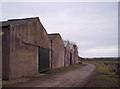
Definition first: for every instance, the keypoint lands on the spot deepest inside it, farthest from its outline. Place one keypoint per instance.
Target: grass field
(106, 74)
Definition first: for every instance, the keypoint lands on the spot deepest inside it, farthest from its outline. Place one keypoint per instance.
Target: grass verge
(105, 73)
(108, 77)
(103, 68)
(67, 68)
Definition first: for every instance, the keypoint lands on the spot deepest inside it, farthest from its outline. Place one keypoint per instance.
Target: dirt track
(73, 78)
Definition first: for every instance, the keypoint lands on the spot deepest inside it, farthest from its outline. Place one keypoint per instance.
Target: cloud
(93, 26)
(100, 51)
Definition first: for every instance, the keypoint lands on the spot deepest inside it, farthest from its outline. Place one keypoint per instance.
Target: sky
(93, 26)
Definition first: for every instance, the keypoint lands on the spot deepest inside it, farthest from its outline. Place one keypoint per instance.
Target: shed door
(43, 59)
(70, 58)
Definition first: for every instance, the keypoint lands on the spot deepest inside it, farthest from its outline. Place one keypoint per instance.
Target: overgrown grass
(106, 73)
(113, 62)
(103, 68)
(108, 77)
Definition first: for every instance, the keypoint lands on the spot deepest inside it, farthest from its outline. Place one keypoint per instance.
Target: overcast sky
(93, 26)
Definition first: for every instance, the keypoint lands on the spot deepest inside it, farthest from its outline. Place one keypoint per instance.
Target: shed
(67, 53)
(23, 44)
(57, 51)
(75, 54)
(71, 54)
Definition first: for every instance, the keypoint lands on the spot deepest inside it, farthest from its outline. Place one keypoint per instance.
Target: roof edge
(23, 18)
(54, 34)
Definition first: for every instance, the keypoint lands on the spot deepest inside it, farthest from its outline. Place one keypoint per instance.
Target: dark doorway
(70, 58)
(43, 59)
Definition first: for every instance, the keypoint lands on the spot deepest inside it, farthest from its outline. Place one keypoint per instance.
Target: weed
(103, 69)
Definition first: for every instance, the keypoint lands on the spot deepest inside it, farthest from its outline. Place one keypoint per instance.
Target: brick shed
(57, 51)
(67, 53)
(23, 44)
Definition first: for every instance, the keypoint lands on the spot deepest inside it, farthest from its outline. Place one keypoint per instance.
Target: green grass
(106, 73)
(103, 69)
(114, 62)
(107, 77)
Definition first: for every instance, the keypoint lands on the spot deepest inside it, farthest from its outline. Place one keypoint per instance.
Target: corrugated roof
(17, 21)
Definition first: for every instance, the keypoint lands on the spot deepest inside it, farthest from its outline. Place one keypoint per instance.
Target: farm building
(67, 53)
(25, 48)
(73, 54)
(57, 51)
